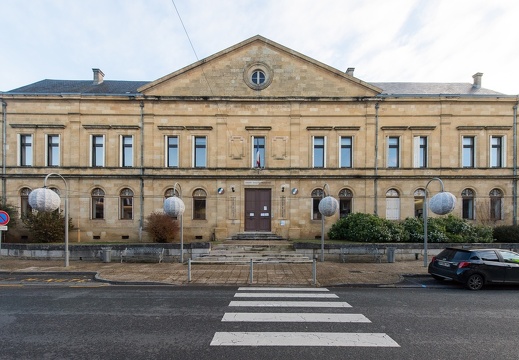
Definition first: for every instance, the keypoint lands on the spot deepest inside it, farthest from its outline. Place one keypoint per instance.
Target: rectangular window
(495, 208)
(258, 152)
(126, 207)
(496, 151)
(316, 215)
(126, 151)
(98, 150)
(319, 152)
(420, 151)
(25, 150)
(200, 152)
(468, 208)
(199, 208)
(52, 150)
(468, 151)
(393, 151)
(171, 151)
(345, 156)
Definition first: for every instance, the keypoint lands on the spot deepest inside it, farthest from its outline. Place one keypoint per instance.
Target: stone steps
(257, 236)
(262, 252)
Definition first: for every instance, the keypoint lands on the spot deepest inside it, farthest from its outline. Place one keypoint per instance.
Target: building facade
(250, 138)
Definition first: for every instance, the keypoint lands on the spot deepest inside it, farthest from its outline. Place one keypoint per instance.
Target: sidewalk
(286, 274)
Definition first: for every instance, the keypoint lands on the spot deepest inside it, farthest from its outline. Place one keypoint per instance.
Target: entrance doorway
(258, 209)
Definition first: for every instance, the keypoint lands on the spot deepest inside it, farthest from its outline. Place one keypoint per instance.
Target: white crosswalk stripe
(252, 288)
(312, 304)
(337, 339)
(302, 339)
(296, 317)
(285, 295)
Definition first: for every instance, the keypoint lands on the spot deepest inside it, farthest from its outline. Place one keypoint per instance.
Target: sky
(384, 40)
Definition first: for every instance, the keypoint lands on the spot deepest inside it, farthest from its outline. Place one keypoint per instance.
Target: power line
(185, 30)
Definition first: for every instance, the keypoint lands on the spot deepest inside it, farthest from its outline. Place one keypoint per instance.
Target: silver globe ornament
(174, 206)
(43, 199)
(328, 206)
(442, 203)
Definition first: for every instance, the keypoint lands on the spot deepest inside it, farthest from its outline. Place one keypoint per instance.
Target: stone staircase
(265, 236)
(259, 251)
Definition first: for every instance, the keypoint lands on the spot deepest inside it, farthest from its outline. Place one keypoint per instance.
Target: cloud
(398, 40)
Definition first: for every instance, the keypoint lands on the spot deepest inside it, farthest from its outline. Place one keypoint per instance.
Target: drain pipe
(141, 218)
(4, 146)
(375, 182)
(515, 168)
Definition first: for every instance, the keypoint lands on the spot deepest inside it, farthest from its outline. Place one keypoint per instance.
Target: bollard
(251, 272)
(189, 270)
(314, 272)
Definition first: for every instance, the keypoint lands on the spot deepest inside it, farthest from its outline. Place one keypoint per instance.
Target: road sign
(4, 218)
(3, 228)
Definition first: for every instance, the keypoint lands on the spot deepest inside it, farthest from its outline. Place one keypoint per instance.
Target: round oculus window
(257, 76)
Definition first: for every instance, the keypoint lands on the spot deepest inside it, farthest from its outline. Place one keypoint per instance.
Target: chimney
(98, 76)
(350, 71)
(477, 80)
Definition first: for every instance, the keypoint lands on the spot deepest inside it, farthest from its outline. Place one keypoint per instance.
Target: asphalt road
(164, 322)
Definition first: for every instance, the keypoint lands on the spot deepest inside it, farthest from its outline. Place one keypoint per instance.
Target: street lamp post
(175, 207)
(327, 207)
(441, 204)
(44, 199)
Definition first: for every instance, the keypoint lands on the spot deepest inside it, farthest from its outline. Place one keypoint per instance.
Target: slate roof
(128, 88)
(84, 87)
(406, 88)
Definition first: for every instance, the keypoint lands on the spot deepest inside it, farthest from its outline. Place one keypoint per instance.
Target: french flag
(258, 157)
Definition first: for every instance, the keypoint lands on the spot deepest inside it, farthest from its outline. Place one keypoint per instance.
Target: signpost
(4, 220)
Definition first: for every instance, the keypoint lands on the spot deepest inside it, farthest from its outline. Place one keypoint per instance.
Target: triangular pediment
(288, 74)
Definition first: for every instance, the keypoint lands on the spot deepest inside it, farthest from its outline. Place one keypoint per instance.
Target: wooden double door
(258, 209)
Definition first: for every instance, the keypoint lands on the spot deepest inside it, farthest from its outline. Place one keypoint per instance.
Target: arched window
(496, 204)
(199, 204)
(126, 203)
(419, 197)
(345, 202)
(25, 208)
(317, 195)
(467, 196)
(98, 204)
(392, 204)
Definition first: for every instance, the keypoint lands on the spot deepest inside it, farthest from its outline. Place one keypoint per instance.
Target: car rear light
(433, 259)
(463, 264)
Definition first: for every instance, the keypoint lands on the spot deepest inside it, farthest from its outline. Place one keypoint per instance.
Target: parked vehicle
(476, 267)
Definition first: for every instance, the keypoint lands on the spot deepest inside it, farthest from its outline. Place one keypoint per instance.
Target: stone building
(250, 137)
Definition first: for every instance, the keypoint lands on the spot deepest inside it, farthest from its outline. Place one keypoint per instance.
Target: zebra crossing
(309, 298)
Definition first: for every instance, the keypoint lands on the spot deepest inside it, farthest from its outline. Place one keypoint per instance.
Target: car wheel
(475, 282)
(438, 278)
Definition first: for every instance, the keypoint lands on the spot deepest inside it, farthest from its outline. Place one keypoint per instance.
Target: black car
(476, 267)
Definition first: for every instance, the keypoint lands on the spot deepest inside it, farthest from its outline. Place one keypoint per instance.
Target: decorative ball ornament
(174, 206)
(328, 206)
(43, 199)
(442, 203)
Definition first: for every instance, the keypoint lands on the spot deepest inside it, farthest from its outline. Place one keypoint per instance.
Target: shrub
(362, 227)
(506, 234)
(161, 227)
(46, 227)
(370, 228)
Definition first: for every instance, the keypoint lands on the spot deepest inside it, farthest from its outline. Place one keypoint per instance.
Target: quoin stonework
(250, 136)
